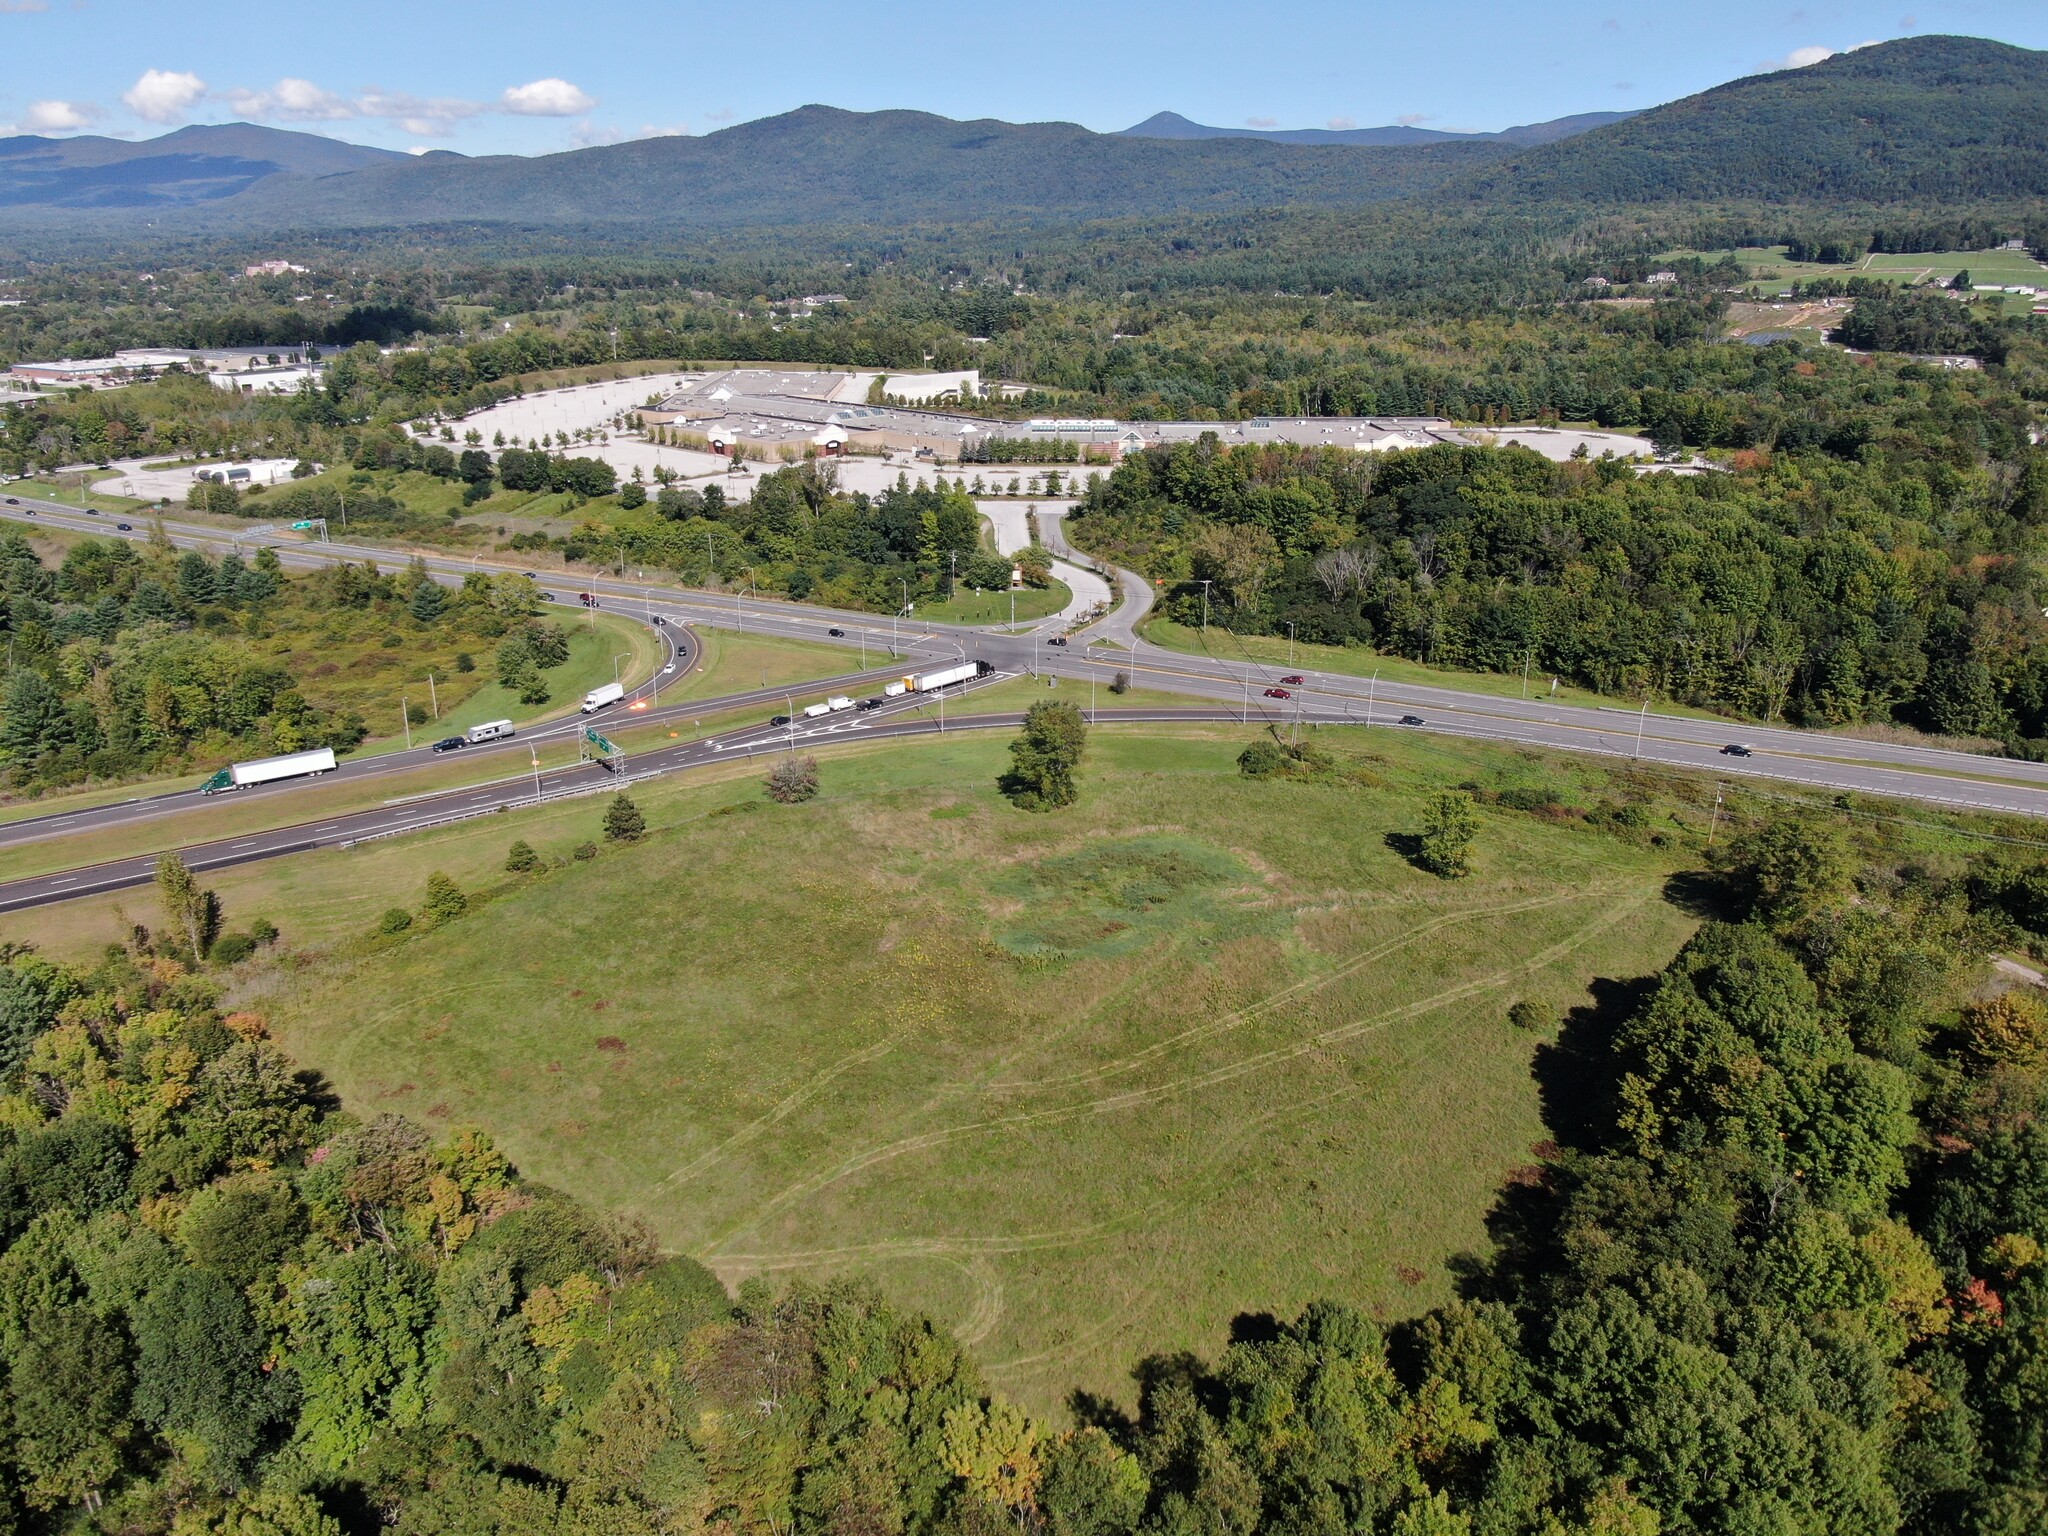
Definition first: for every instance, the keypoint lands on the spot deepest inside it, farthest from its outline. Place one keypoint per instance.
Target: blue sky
(526, 77)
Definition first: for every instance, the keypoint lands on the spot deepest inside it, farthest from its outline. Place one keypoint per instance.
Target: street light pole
(534, 752)
(1205, 607)
(405, 719)
(1642, 718)
(434, 696)
(1371, 692)
(1290, 647)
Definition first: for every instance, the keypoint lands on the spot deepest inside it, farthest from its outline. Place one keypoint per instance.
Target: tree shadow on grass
(1575, 1076)
(1702, 894)
(1409, 846)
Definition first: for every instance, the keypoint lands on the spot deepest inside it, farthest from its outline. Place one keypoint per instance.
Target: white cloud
(1415, 119)
(1341, 123)
(294, 101)
(164, 96)
(1798, 58)
(546, 98)
(1262, 122)
(58, 117)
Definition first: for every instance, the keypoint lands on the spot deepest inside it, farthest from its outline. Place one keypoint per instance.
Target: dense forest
(121, 663)
(1782, 1270)
(1883, 572)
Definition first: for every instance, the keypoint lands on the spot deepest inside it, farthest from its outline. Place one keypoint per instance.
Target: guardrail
(523, 803)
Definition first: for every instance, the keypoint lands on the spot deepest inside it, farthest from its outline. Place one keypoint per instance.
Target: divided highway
(1218, 688)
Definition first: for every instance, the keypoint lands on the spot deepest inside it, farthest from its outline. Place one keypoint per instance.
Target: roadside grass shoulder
(994, 607)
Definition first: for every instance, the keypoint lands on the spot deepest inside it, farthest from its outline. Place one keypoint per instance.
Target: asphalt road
(1217, 687)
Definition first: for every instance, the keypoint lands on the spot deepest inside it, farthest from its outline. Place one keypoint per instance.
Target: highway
(1217, 688)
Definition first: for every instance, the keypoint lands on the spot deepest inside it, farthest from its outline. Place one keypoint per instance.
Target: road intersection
(1217, 688)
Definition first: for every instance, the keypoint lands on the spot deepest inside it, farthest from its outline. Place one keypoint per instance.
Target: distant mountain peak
(1171, 125)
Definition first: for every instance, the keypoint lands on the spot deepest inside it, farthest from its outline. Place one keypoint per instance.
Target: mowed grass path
(1083, 1085)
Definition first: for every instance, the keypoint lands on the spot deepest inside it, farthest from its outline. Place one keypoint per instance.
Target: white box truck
(597, 698)
(490, 730)
(931, 682)
(266, 770)
(838, 703)
(895, 690)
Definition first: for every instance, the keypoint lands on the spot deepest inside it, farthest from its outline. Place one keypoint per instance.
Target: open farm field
(1078, 1084)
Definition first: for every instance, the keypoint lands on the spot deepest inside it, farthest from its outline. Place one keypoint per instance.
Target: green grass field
(1772, 269)
(994, 607)
(1083, 1085)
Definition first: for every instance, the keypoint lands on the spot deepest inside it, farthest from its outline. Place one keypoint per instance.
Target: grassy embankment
(994, 607)
(1085, 1085)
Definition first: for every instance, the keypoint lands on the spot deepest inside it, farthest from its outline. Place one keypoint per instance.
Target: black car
(14, 501)
(778, 719)
(836, 633)
(1411, 719)
(450, 744)
(1057, 640)
(1736, 749)
(869, 704)
(28, 511)
(124, 528)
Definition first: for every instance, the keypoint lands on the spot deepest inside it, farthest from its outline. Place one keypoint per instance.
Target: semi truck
(490, 730)
(946, 677)
(267, 770)
(597, 698)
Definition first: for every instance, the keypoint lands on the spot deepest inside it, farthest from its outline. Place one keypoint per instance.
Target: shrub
(1262, 760)
(464, 662)
(444, 900)
(1526, 1015)
(584, 851)
(623, 822)
(263, 931)
(1121, 683)
(394, 920)
(793, 780)
(520, 858)
(232, 949)
(1448, 829)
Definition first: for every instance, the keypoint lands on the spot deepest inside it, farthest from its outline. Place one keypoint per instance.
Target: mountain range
(1171, 125)
(193, 165)
(1928, 119)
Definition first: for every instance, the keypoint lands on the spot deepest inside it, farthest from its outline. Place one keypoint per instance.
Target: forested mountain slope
(1933, 118)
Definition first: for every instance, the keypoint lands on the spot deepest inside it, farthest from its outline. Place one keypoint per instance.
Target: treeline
(1888, 318)
(122, 663)
(1782, 1268)
(1891, 585)
(800, 535)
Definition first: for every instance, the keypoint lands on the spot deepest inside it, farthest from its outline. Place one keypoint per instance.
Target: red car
(1297, 679)
(1278, 693)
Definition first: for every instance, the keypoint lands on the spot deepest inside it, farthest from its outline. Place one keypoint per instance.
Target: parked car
(836, 633)
(1736, 749)
(1411, 719)
(450, 744)
(1278, 693)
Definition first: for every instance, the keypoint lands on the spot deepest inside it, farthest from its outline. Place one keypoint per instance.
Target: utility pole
(1290, 647)
(405, 719)
(1713, 825)
(434, 696)
(1205, 607)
